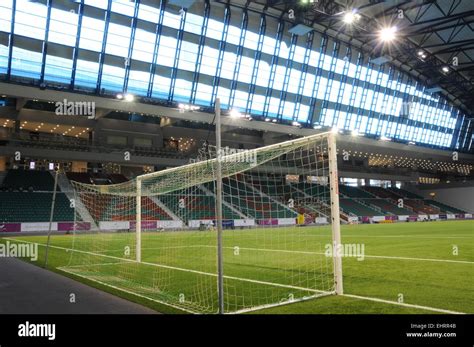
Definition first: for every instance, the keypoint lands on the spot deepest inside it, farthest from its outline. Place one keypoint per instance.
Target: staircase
(65, 186)
(170, 213)
(231, 207)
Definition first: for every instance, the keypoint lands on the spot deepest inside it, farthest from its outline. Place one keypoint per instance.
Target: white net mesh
(276, 221)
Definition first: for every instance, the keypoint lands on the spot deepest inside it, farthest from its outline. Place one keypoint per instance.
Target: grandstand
(203, 156)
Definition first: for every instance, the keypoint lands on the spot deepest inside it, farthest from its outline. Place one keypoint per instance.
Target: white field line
(235, 278)
(318, 253)
(428, 308)
(183, 269)
(272, 250)
(411, 236)
(281, 303)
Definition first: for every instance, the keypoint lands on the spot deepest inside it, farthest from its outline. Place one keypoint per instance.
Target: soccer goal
(156, 236)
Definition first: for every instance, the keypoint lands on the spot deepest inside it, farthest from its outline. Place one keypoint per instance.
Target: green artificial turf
(272, 265)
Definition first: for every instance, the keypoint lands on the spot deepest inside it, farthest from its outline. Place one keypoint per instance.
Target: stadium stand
(444, 208)
(28, 180)
(389, 208)
(197, 206)
(352, 207)
(354, 192)
(33, 207)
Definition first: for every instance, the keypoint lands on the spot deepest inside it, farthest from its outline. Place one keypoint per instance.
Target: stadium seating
(405, 193)
(314, 190)
(117, 178)
(354, 192)
(28, 179)
(381, 192)
(34, 207)
(81, 177)
(388, 207)
(444, 208)
(350, 206)
(250, 203)
(197, 206)
(419, 206)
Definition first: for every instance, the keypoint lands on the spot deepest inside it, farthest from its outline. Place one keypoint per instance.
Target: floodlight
(388, 34)
(129, 97)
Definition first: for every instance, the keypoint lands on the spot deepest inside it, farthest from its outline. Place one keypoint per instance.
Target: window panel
(92, 33)
(138, 82)
(182, 90)
(203, 94)
(161, 86)
(63, 27)
(166, 51)
(118, 40)
(86, 73)
(143, 46)
(209, 61)
(5, 15)
(246, 68)
(26, 63)
(149, 13)
(228, 65)
(124, 7)
(113, 77)
(30, 19)
(188, 56)
(171, 20)
(58, 69)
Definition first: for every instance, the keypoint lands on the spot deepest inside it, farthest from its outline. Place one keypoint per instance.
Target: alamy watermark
(351, 250)
(19, 250)
(75, 108)
(233, 155)
(28, 329)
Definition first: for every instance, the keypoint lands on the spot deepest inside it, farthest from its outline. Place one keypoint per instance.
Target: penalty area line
(421, 307)
(185, 270)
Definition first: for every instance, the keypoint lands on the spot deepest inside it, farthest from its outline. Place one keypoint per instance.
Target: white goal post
(155, 236)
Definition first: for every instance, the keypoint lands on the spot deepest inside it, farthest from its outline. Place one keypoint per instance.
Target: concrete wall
(459, 195)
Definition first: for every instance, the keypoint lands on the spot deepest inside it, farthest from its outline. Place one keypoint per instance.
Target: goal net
(156, 236)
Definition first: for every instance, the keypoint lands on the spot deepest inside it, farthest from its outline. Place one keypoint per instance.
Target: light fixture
(384, 138)
(235, 113)
(295, 124)
(120, 96)
(317, 127)
(129, 97)
(388, 34)
(335, 130)
(267, 119)
(355, 133)
(445, 69)
(350, 17)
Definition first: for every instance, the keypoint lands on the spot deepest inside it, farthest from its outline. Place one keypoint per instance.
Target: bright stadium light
(384, 138)
(355, 133)
(267, 119)
(445, 69)
(388, 34)
(335, 130)
(350, 17)
(235, 113)
(129, 97)
(120, 96)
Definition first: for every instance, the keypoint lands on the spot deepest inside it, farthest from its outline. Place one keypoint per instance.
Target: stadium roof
(442, 30)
